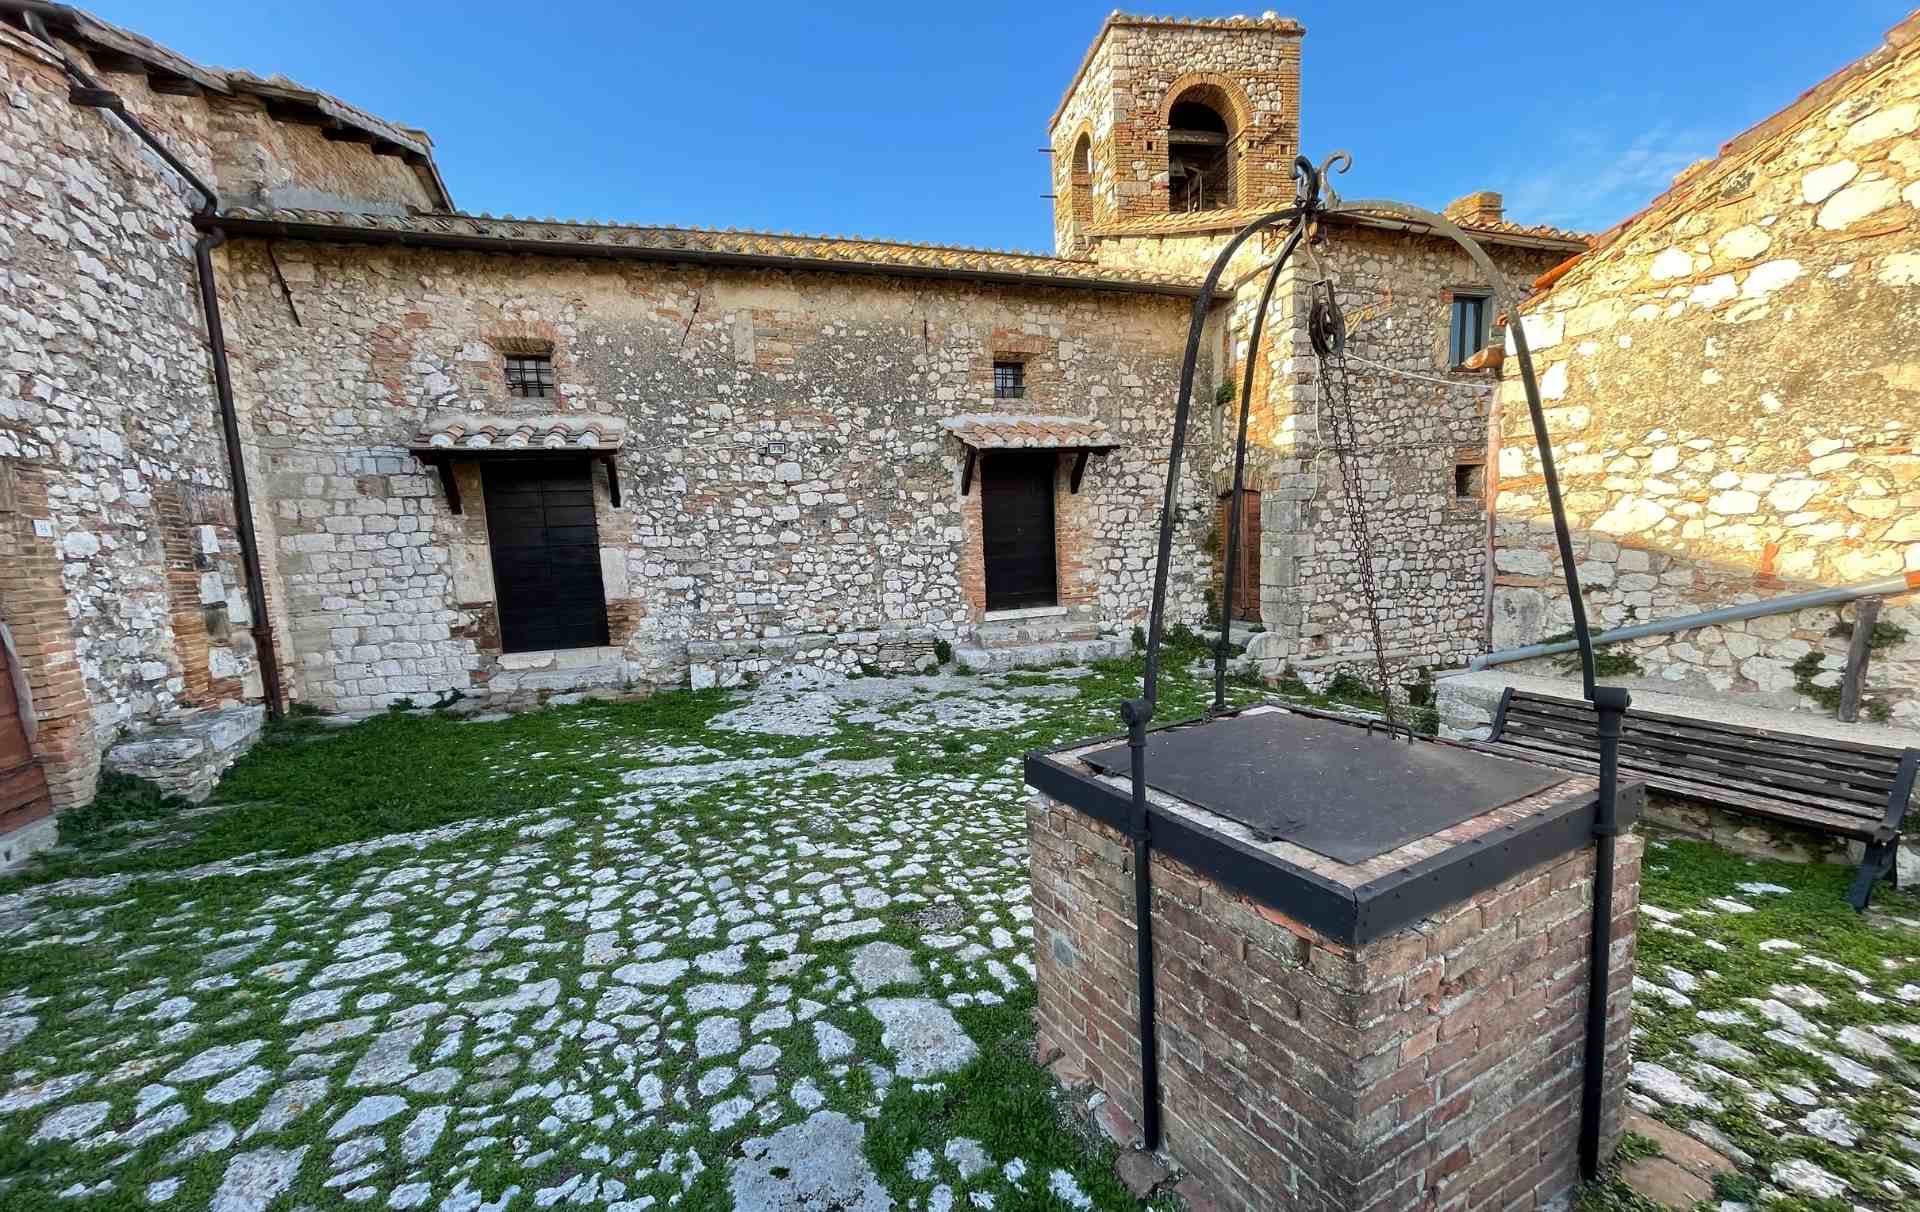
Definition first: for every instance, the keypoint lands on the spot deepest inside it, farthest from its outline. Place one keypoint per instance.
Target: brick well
(1435, 1062)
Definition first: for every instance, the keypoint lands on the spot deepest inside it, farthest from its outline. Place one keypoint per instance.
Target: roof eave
(1510, 239)
(328, 234)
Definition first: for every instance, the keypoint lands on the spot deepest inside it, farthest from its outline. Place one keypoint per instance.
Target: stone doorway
(546, 554)
(1017, 528)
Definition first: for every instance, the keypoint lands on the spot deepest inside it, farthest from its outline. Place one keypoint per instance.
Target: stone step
(187, 756)
(1033, 629)
(1041, 655)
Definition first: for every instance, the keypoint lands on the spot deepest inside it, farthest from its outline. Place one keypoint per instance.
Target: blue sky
(921, 122)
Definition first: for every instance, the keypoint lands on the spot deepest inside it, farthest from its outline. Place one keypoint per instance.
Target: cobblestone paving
(734, 974)
(1779, 1029)
(773, 956)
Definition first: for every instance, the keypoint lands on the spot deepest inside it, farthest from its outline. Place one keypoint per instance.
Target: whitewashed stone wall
(785, 474)
(1733, 387)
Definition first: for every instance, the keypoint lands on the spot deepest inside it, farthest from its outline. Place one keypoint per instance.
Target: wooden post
(1866, 612)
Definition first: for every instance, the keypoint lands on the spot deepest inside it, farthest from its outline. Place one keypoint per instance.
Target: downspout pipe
(87, 91)
(1885, 587)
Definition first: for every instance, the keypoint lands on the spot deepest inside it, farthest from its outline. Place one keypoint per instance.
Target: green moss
(1885, 635)
(121, 800)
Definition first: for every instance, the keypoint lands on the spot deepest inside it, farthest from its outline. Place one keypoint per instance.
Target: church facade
(500, 458)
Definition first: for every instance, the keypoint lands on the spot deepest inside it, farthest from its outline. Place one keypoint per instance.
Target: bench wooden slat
(1883, 766)
(1785, 798)
(1846, 788)
(1767, 806)
(1658, 737)
(1888, 754)
(1865, 789)
(1807, 748)
(1714, 762)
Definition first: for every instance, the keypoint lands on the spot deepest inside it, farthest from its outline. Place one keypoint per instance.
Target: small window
(1469, 481)
(1468, 335)
(1009, 380)
(529, 375)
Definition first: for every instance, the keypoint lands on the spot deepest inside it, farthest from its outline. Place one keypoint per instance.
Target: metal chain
(1334, 392)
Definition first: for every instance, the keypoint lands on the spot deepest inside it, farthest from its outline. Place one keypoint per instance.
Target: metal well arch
(1610, 703)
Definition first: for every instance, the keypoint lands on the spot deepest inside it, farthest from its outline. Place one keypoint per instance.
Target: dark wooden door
(546, 554)
(1244, 600)
(23, 786)
(1016, 527)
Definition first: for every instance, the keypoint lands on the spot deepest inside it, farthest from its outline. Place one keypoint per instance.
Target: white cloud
(1589, 178)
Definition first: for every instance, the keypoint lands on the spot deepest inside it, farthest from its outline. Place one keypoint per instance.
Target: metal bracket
(448, 482)
(613, 480)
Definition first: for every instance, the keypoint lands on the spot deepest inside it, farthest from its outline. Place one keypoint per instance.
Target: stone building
(1733, 378)
(1173, 136)
(498, 458)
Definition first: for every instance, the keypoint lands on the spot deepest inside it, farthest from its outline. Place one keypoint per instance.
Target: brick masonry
(789, 492)
(1438, 1067)
(1247, 70)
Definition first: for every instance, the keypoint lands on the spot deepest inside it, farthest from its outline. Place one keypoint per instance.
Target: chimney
(1476, 209)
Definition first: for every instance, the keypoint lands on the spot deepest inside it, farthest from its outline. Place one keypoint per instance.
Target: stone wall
(1247, 69)
(263, 162)
(1417, 423)
(128, 600)
(1438, 1067)
(122, 582)
(785, 474)
(1733, 389)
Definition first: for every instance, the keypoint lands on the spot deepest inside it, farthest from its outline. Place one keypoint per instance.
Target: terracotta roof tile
(829, 252)
(1234, 218)
(1006, 431)
(97, 36)
(592, 433)
(1753, 145)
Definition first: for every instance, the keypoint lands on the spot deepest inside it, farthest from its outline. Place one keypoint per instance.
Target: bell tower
(1172, 125)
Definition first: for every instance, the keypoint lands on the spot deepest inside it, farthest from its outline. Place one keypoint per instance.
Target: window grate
(530, 376)
(1009, 380)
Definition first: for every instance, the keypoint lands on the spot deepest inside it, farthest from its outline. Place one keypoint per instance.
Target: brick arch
(523, 337)
(1238, 111)
(1078, 190)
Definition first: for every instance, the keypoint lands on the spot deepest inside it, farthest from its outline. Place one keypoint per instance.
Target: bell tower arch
(1171, 117)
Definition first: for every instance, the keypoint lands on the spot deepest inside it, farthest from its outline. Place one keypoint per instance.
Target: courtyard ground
(760, 950)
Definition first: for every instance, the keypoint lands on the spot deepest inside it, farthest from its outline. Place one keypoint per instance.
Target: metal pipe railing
(1885, 587)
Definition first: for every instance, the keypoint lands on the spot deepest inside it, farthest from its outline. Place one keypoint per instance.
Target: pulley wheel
(1326, 323)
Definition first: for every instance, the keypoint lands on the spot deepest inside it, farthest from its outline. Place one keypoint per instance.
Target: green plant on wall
(1828, 697)
(1608, 661)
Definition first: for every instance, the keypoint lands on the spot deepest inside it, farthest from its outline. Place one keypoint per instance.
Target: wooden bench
(1844, 788)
